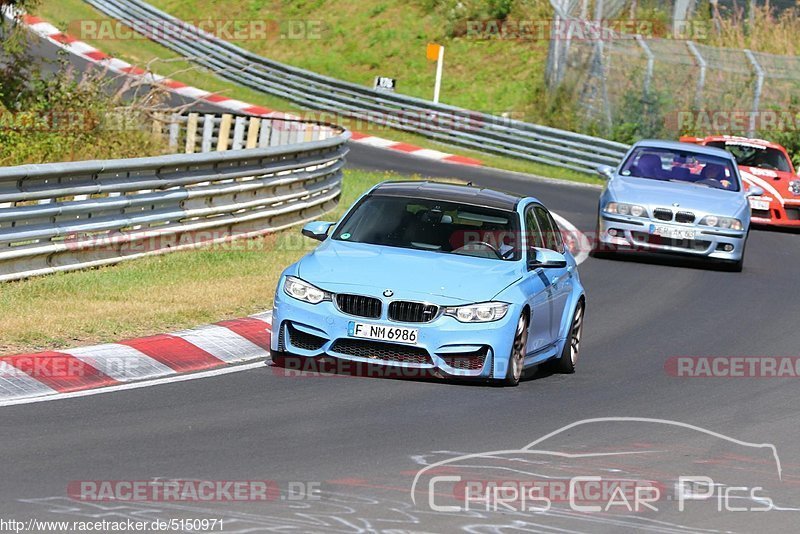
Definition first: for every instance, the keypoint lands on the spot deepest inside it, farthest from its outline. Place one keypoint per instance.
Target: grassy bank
(157, 294)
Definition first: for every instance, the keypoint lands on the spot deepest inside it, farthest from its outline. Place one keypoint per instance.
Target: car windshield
(752, 155)
(678, 165)
(432, 225)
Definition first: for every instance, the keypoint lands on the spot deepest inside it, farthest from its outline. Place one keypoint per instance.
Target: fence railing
(448, 124)
(208, 132)
(679, 84)
(66, 216)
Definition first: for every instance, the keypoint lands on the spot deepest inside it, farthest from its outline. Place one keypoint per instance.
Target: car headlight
(484, 312)
(794, 187)
(620, 208)
(302, 290)
(726, 223)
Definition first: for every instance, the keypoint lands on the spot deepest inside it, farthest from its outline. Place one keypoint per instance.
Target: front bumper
(784, 215)
(635, 235)
(445, 347)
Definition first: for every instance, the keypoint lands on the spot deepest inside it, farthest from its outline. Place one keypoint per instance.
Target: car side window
(557, 237)
(550, 231)
(532, 229)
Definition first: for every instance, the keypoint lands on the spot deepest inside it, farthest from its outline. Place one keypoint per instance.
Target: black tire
(734, 266)
(569, 354)
(279, 358)
(601, 254)
(517, 357)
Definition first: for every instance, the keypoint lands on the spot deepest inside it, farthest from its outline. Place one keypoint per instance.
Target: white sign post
(435, 53)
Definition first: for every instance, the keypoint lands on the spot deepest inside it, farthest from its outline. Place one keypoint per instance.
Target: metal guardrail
(67, 216)
(208, 132)
(449, 124)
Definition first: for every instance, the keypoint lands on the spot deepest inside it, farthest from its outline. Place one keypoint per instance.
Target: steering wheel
(713, 182)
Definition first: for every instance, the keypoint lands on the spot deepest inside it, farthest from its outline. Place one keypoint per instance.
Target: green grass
(156, 294)
(478, 81)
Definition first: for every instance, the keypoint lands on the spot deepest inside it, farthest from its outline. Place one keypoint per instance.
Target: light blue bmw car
(441, 279)
(675, 198)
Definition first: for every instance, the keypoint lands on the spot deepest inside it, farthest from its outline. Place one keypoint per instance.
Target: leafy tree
(17, 68)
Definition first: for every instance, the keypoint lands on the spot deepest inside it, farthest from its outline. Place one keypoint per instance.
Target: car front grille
(763, 214)
(412, 312)
(376, 350)
(305, 341)
(467, 361)
(359, 305)
(662, 214)
(684, 217)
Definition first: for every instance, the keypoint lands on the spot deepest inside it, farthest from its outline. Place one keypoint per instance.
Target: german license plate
(380, 332)
(671, 232)
(758, 204)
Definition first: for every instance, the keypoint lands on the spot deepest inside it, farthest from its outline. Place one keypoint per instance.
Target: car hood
(652, 193)
(341, 266)
(774, 183)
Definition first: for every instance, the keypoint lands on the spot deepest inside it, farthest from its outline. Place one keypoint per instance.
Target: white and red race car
(768, 166)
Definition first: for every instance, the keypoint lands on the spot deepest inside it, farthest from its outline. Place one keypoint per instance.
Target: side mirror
(606, 172)
(317, 230)
(545, 258)
(755, 191)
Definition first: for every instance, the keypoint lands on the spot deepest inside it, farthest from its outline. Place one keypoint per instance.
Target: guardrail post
(701, 78)
(238, 133)
(759, 72)
(224, 132)
(252, 132)
(174, 133)
(208, 132)
(283, 134)
(264, 134)
(191, 133)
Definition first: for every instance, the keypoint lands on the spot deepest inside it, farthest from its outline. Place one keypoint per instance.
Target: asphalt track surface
(364, 439)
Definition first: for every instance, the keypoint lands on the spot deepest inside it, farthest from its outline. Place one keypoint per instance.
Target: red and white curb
(72, 45)
(224, 344)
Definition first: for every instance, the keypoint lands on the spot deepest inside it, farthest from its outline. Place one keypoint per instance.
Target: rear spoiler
(690, 139)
